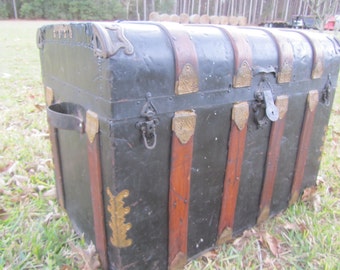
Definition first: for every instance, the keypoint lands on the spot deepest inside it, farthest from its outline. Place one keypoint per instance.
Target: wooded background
(256, 11)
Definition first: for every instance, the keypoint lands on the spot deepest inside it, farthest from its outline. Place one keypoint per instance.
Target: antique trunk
(170, 139)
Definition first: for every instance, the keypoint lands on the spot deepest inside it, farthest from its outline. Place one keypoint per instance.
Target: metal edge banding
(242, 56)
(304, 142)
(236, 148)
(186, 59)
(286, 56)
(179, 190)
(272, 160)
(96, 185)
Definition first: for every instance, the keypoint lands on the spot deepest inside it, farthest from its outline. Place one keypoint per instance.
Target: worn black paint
(115, 88)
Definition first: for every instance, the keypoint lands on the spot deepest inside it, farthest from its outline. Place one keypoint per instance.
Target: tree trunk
(286, 13)
(15, 9)
(250, 11)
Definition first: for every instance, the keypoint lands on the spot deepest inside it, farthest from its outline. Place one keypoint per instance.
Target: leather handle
(67, 116)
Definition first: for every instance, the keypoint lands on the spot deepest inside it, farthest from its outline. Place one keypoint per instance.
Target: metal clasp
(148, 126)
(326, 91)
(264, 100)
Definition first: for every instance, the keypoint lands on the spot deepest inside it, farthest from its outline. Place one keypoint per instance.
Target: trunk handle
(66, 115)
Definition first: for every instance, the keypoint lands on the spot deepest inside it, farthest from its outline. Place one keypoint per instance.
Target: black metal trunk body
(128, 75)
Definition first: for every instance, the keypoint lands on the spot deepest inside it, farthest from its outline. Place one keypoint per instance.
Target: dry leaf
(212, 254)
(271, 242)
(89, 257)
(316, 202)
(3, 214)
(40, 107)
(51, 193)
(308, 194)
(299, 227)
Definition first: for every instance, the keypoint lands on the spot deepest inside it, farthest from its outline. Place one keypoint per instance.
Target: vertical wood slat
(305, 137)
(236, 146)
(57, 165)
(273, 155)
(179, 192)
(96, 187)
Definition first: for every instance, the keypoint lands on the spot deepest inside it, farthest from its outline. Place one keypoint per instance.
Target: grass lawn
(36, 234)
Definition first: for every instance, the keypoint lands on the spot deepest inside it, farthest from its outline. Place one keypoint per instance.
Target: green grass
(36, 234)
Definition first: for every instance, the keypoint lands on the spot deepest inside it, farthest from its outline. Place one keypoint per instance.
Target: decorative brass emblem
(187, 81)
(285, 75)
(282, 104)
(49, 95)
(313, 99)
(92, 125)
(117, 223)
(183, 124)
(240, 114)
(62, 30)
(243, 76)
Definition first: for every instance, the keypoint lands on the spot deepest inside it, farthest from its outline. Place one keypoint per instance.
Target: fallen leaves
(3, 214)
(87, 259)
(312, 198)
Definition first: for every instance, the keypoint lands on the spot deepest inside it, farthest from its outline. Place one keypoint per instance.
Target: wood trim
(96, 187)
(304, 142)
(179, 190)
(57, 165)
(273, 155)
(286, 55)
(186, 59)
(236, 147)
(243, 58)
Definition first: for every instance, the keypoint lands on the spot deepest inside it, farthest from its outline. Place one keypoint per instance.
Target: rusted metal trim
(304, 143)
(179, 191)
(186, 59)
(286, 55)
(237, 141)
(242, 56)
(96, 188)
(273, 155)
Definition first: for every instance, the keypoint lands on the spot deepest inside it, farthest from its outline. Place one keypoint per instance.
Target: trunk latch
(148, 125)
(264, 100)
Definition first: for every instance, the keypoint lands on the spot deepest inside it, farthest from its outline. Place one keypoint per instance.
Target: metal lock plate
(272, 112)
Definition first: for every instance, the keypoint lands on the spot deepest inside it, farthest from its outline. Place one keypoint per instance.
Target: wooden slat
(186, 60)
(96, 187)
(305, 137)
(57, 165)
(242, 56)
(179, 194)
(236, 146)
(273, 155)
